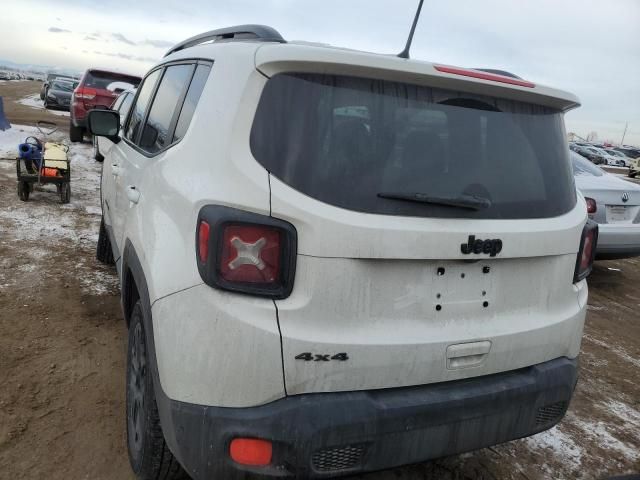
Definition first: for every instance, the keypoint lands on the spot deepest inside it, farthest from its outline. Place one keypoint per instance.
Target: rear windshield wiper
(471, 202)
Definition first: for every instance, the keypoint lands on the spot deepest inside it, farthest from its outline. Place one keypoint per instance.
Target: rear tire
(104, 253)
(76, 134)
(65, 193)
(23, 191)
(632, 174)
(149, 454)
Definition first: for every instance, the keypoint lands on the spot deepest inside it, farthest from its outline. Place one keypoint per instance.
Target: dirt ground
(63, 339)
(13, 91)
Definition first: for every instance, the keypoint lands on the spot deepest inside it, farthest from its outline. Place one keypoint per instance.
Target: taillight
(203, 241)
(251, 253)
(245, 252)
(591, 205)
(587, 251)
(85, 93)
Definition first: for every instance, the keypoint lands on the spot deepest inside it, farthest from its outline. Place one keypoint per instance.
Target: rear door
(437, 231)
(104, 145)
(125, 153)
(149, 134)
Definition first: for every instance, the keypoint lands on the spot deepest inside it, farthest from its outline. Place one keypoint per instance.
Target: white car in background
(609, 159)
(623, 160)
(612, 202)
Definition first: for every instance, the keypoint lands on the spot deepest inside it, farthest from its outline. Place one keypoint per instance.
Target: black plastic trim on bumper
(385, 428)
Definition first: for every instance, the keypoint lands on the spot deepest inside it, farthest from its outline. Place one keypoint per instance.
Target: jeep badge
(492, 246)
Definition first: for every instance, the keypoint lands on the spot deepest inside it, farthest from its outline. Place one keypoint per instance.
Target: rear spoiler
(271, 59)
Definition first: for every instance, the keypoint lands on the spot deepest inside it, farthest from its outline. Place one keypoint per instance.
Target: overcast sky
(589, 47)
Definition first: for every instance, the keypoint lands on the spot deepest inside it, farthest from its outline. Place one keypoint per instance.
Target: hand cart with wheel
(43, 164)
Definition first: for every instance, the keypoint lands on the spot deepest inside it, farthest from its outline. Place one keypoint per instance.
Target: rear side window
(156, 133)
(356, 142)
(191, 100)
(140, 107)
(110, 81)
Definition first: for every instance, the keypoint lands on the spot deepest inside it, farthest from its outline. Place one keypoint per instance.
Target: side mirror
(104, 123)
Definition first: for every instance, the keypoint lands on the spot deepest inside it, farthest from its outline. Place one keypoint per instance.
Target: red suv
(97, 88)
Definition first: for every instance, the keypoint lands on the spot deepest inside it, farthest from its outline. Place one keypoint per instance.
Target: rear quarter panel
(213, 347)
(211, 165)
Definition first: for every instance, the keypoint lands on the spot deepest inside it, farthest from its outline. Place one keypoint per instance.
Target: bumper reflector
(251, 451)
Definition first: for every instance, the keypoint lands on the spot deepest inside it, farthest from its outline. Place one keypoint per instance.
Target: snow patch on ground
(97, 279)
(33, 101)
(10, 139)
(593, 360)
(558, 444)
(36, 221)
(93, 210)
(43, 224)
(621, 352)
(629, 415)
(596, 308)
(600, 433)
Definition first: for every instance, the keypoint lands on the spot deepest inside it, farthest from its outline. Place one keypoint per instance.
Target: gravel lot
(62, 349)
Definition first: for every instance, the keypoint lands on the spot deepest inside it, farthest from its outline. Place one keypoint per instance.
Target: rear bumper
(618, 241)
(328, 434)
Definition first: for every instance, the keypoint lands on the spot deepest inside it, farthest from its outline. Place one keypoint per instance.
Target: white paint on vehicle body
(366, 284)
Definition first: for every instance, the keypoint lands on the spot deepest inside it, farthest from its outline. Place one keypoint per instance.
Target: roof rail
(261, 33)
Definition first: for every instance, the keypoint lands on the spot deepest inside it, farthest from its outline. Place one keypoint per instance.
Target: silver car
(623, 160)
(612, 202)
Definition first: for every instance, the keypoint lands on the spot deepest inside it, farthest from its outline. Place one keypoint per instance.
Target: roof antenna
(405, 53)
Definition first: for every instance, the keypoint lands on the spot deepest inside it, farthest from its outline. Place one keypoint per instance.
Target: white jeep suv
(335, 261)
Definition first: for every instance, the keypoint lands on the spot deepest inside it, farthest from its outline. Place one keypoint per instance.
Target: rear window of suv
(353, 142)
(110, 81)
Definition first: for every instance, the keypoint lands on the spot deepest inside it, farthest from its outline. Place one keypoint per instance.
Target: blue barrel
(31, 152)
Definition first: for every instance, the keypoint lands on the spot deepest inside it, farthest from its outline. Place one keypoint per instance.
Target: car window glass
(118, 102)
(156, 133)
(110, 81)
(126, 105)
(62, 86)
(191, 100)
(141, 105)
(582, 166)
(351, 142)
